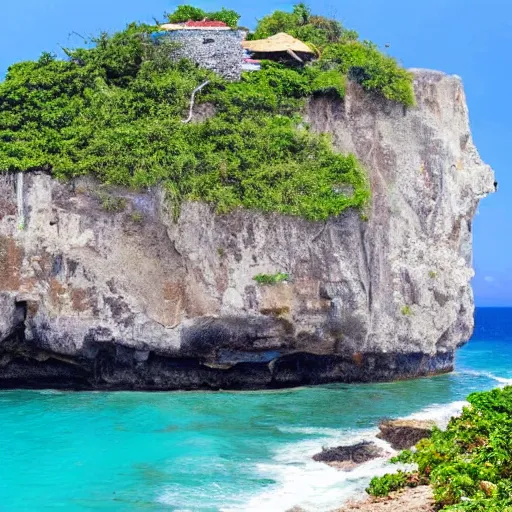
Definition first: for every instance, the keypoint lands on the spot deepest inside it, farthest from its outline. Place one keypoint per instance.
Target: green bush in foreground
(388, 483)
(470, 464)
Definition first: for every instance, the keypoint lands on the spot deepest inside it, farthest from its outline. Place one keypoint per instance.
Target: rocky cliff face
(132, 299)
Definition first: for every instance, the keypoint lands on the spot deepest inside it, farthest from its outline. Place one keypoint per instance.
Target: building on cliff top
(224, 50)
(211, 44)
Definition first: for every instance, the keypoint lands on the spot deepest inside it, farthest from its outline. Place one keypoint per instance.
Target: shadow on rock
(403, 434)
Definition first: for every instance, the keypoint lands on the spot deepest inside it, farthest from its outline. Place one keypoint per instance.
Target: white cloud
(489, 279)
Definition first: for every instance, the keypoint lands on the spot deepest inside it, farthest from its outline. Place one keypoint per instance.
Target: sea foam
(317, 487)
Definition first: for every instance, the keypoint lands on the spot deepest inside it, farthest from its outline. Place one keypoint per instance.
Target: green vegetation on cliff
(340, 51)
(302, 24)
(115, 111)
(186, 13)
(470, 464)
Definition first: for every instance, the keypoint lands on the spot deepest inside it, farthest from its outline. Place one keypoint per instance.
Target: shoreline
(412, 499)
(484, 417)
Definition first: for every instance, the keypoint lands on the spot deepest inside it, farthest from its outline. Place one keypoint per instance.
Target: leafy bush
(470, 464)
(303, 25)
(228, 16)
(137, 217)
(406, 310)
(388, 483)
(341, 54)
(329, 82)
(186, 13)
(404, 457)
(271, 279)
(365, 64)
(110, 203)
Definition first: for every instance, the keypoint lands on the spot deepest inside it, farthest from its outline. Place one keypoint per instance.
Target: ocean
(226, 451)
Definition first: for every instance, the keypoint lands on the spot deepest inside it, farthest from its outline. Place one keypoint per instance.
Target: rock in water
(348, 457)
(404, 434)
(116, 294)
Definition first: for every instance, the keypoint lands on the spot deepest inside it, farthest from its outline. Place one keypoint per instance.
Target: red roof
(205, 23)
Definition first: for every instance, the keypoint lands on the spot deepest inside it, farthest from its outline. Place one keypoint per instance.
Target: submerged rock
(112, 292)
(404, 434)
(348, 457)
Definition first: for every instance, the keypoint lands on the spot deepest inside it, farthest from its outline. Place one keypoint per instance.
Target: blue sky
(471, 38)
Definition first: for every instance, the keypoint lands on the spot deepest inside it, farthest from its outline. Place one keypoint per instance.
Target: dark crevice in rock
(403, 434)
(109, 366)
(20, 314)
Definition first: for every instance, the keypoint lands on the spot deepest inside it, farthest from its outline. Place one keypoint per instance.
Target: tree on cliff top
(302, 24)
(186, 13)
(341, 51)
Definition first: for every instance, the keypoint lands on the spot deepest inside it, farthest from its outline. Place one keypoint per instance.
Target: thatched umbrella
(280, 43)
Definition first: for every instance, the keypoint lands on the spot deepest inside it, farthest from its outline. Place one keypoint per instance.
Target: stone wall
(218, 50)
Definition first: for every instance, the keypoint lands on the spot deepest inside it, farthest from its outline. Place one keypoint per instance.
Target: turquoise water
(217, 451)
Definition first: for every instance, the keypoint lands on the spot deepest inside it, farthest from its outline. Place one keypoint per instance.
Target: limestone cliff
(133, 299)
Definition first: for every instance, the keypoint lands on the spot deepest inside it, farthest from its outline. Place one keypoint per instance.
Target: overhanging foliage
(115, 111)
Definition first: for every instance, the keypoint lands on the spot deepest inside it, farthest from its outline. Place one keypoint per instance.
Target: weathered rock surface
(218, 50)
(403, 434)
(349, 457)
(132, 299)
(416, 499)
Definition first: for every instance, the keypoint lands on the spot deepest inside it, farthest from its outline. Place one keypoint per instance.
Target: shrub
(302, 24)
(469, 464)
(329, 82)
(406, 310)
(185, 13)
(271, 279)
(365, 64)
(404, 457)
(382, 486)
(136, 217)
(228, 16)
(111, 204)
